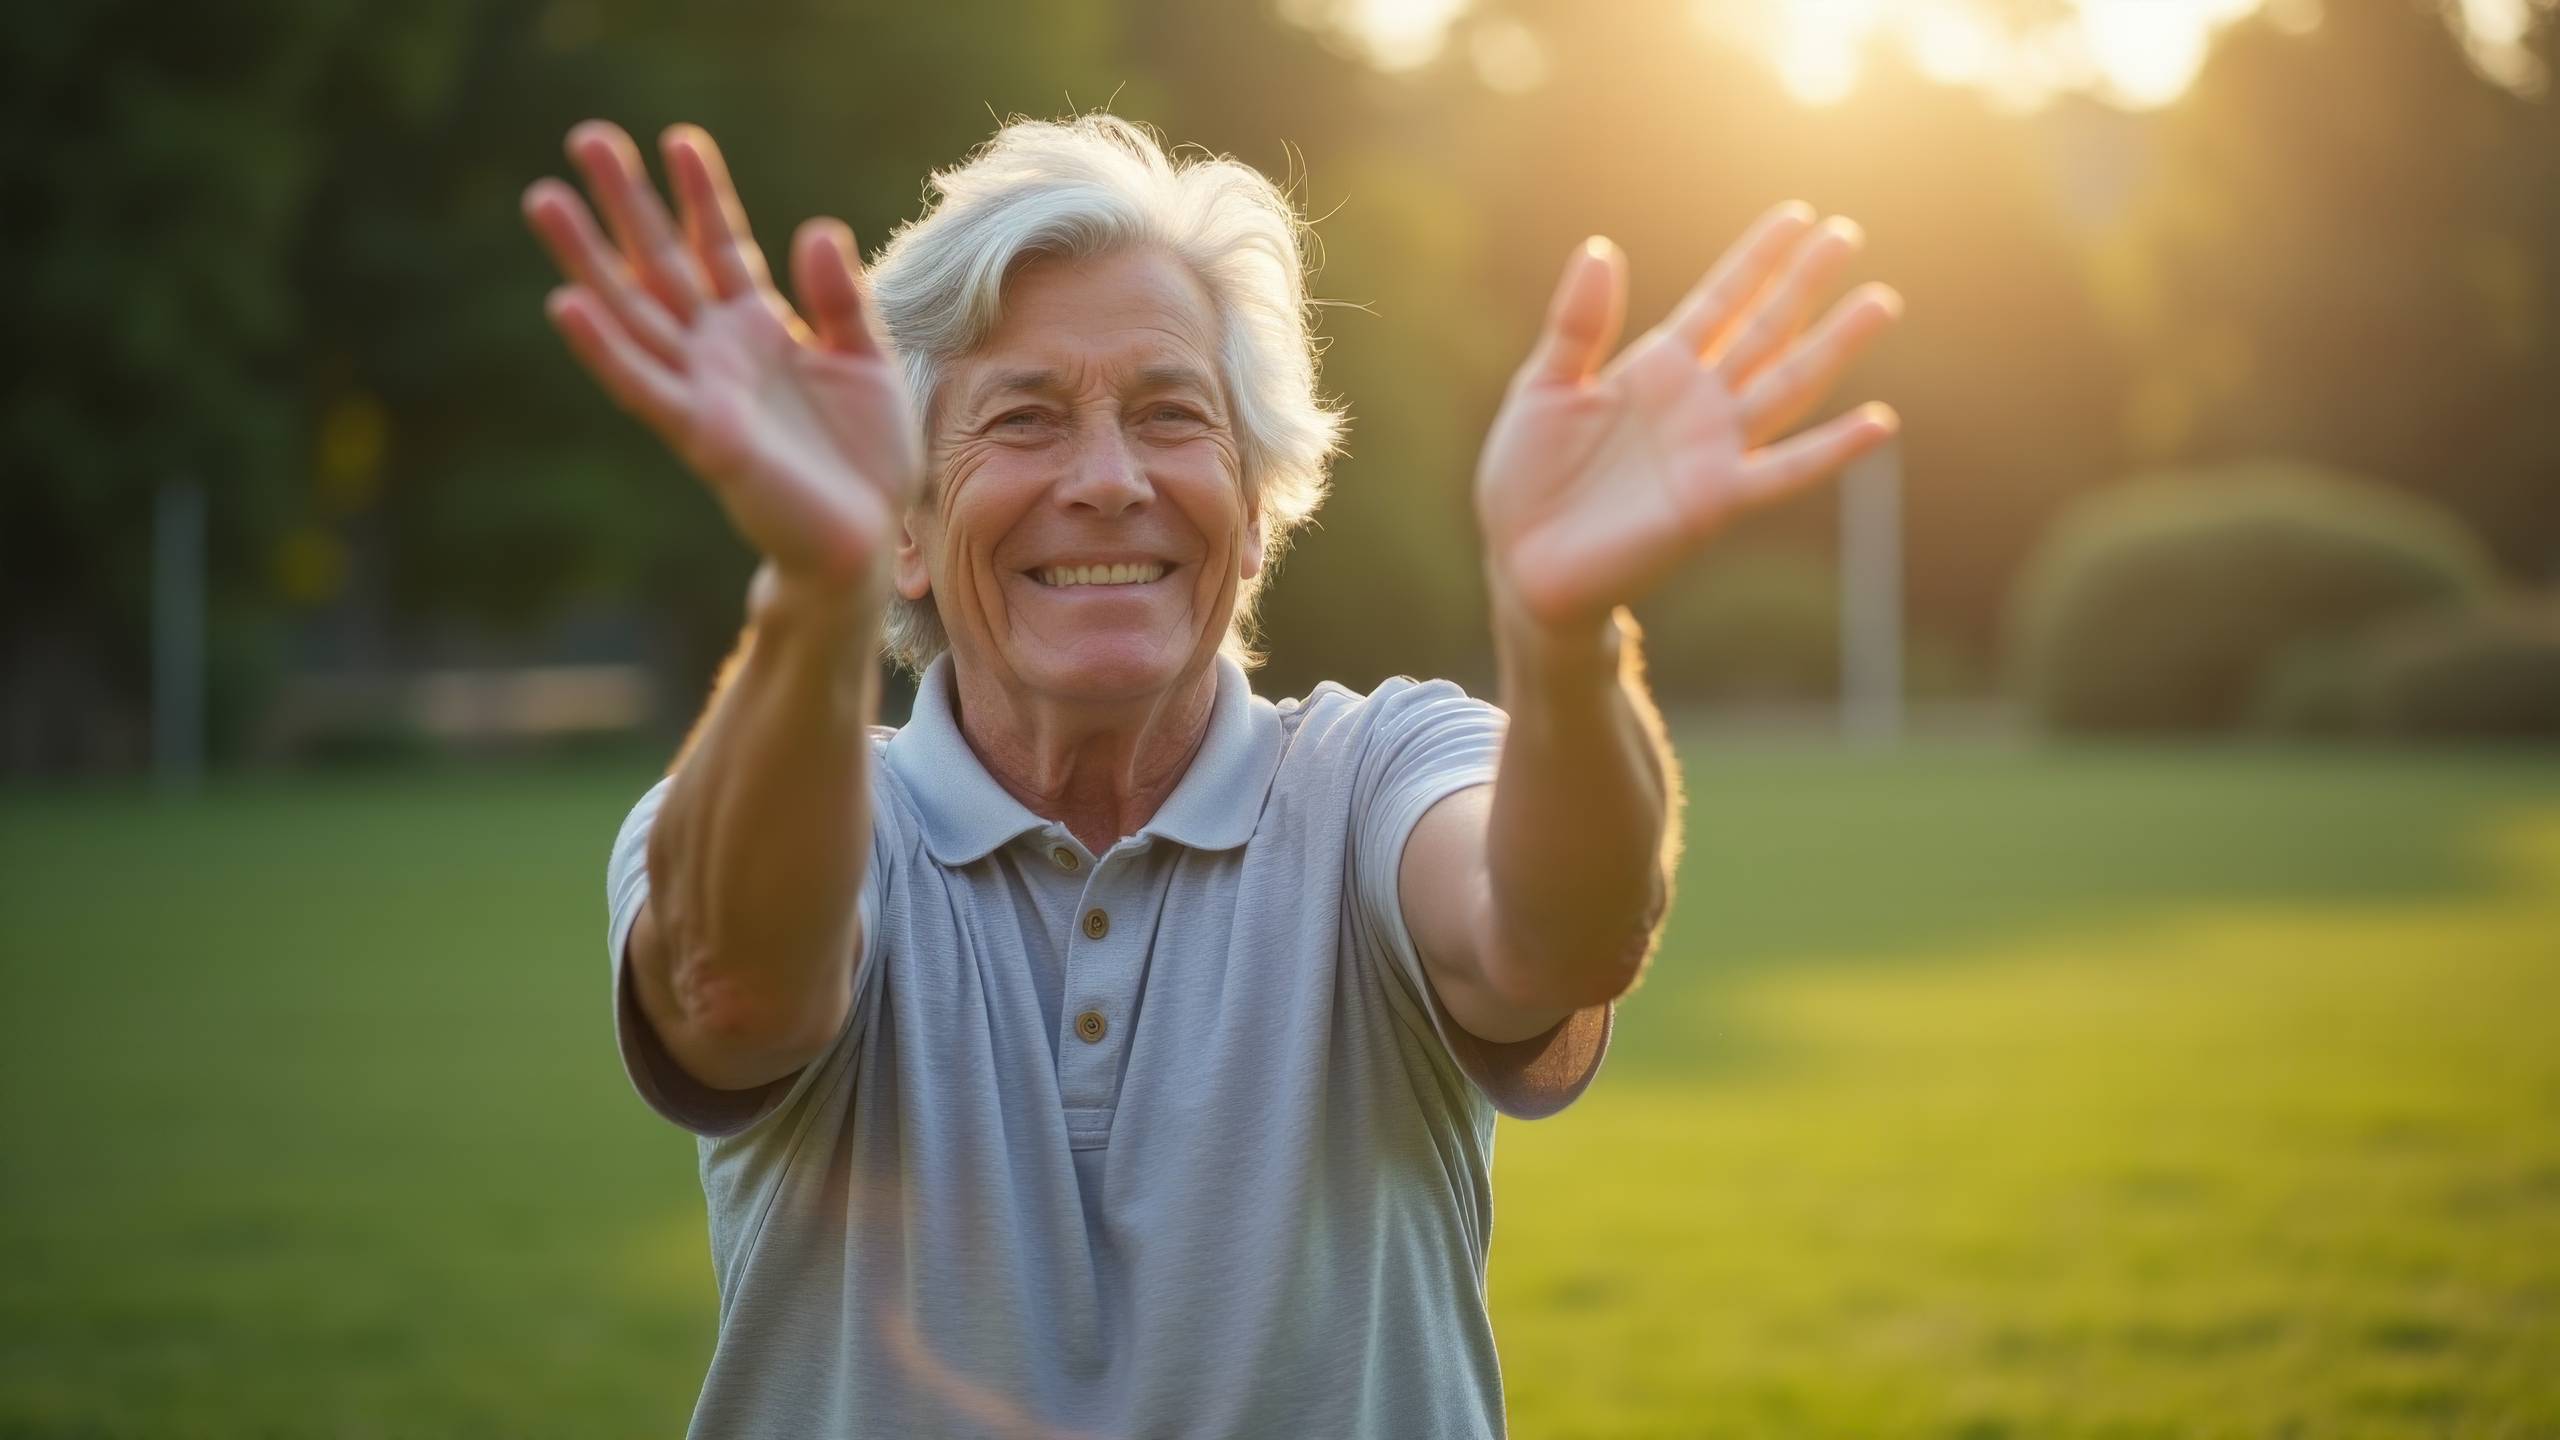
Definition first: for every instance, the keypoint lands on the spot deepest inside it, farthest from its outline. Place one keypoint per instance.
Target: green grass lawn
(1977, 1093)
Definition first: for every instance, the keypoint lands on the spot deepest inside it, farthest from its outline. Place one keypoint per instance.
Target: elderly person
(1111, 1051)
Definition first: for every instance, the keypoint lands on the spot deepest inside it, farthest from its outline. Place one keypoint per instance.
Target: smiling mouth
(1063, 577)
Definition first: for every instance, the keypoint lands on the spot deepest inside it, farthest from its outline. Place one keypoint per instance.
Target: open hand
(1597, 483)
(802, 428)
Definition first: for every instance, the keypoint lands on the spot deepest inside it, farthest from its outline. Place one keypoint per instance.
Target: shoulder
(1334, 715)
(1406, 735)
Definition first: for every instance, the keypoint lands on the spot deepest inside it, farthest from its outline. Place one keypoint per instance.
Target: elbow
(1613, 970)
(1597, 976)
(748, 1015)
(735, 1031)
(1612, 974)
(732, 1014)
(1580, 973)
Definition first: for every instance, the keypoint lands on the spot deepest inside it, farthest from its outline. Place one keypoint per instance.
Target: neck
(1102, 771)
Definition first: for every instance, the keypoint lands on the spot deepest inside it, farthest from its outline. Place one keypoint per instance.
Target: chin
(1108, 667)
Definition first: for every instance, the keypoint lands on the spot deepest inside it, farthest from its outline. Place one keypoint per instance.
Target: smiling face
(1086, 531)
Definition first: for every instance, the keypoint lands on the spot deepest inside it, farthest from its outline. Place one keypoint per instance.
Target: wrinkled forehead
(1133, 319)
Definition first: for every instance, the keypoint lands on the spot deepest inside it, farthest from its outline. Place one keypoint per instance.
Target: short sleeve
(653, 1072)
(1426, 742)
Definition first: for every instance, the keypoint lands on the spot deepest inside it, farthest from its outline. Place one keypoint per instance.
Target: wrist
(780, 602)
(1556, 674)
(1526, 641)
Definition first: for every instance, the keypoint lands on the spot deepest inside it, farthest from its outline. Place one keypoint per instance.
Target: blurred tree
(2006, 379)
(277, 249)
(167, 155)
(514, 485)
(2350, 252)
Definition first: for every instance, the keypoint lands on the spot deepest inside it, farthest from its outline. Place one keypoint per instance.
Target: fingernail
(1847, 229)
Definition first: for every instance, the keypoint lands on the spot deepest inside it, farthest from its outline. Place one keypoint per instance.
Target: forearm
(1584, 824)
(756, 859)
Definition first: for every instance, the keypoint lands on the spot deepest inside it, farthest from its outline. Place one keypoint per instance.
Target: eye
(1169, 413)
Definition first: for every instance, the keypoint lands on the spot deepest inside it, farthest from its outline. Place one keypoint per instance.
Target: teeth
(1102, 574)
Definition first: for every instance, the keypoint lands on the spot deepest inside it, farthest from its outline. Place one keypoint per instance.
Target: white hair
(1093, 186)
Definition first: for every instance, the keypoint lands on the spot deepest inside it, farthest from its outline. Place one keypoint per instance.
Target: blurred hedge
(2165, 604)
(2309, 690)
(1754, 623)
(2493, 673)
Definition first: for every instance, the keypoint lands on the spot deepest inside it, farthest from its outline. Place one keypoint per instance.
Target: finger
(714, 222)
(611, 164)
(628, 373)
(1796, 381)
(1739, 274)
(826, 273)
(1778, 311)
(1584, 318)
(1802, 459)
(568, 230)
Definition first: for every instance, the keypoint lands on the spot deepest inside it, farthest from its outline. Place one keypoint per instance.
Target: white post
(1871, 596)
(177, 635)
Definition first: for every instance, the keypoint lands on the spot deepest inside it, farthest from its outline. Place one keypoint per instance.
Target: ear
(908, 570)
(1252, 565)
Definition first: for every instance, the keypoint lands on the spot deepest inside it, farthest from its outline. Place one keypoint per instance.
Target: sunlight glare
(1394, 34)
(2496, 34)
(2148, 50)
(1818, 44)
(2140, 54)
(1952, 43)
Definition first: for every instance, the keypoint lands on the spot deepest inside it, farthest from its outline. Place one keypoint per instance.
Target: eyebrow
(1049, 382)
(1015, 382)
(1173, 377)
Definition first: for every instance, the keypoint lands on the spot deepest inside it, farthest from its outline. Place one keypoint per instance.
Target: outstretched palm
(801, 428)
(1596, 483)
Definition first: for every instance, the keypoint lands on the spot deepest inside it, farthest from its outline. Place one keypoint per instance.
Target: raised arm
(1544, 893)
(742, 958)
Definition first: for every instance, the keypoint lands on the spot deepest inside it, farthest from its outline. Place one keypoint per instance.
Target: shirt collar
(966, 815)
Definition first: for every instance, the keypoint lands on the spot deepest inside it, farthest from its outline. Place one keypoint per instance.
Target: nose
(1106, 476)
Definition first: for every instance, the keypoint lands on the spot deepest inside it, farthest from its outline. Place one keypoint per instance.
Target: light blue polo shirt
(1174, 1140)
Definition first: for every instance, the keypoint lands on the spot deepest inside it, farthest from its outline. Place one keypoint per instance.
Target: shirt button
(1096, 925)
(1065, 857)
(1089, 1025)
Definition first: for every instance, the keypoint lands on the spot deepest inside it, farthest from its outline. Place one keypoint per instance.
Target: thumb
(827, 273)
(1584, 319)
